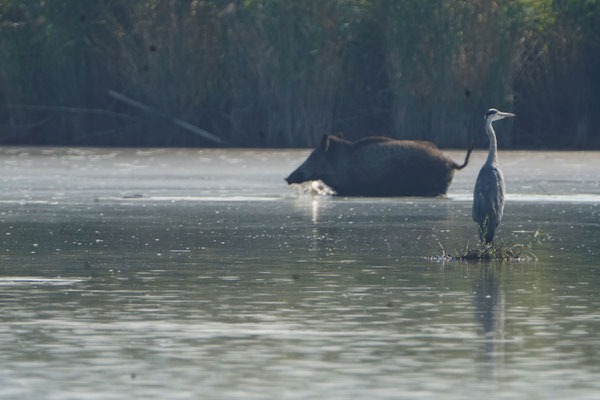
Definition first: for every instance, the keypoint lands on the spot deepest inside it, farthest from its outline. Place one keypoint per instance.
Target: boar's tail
(456, 166)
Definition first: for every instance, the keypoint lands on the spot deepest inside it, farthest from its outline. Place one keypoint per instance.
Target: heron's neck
(492, 157)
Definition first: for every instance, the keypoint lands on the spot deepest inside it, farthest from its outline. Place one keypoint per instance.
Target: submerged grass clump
(498, 251)
(486, 251)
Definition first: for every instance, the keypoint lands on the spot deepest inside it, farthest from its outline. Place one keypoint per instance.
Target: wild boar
(379, 166)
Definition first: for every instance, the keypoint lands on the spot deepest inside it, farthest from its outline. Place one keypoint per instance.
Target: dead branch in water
(150, 110)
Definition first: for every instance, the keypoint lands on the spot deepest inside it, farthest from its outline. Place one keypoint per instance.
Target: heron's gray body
(488, 201)
(488, 196)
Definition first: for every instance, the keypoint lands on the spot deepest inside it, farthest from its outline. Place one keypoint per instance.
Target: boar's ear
(325, 143)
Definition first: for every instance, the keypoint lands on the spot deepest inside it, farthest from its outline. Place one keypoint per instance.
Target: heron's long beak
(501, 115)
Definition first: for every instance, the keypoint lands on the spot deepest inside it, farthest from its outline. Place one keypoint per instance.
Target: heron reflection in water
(490, 313)
(488, 196)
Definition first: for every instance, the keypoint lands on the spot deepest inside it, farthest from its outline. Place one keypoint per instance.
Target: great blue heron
(488, 196)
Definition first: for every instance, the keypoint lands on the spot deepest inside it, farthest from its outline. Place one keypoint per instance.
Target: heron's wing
(488, 196)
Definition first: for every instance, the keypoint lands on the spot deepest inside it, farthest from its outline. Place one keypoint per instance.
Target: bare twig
(98, 111)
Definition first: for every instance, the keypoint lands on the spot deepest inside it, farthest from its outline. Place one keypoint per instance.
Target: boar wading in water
(378, 166)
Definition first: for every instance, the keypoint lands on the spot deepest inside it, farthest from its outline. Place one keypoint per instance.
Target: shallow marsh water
(199, 274)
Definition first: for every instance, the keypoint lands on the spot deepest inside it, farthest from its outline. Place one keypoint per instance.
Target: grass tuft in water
(498, 251)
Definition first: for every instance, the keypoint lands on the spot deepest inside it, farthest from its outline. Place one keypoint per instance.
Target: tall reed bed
(279, 73)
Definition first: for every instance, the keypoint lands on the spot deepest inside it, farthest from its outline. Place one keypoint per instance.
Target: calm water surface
(199, 274)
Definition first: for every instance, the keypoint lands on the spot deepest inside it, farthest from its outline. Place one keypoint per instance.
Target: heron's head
(494, 115)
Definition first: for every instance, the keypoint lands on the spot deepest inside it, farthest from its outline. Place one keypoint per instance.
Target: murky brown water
(198, 274)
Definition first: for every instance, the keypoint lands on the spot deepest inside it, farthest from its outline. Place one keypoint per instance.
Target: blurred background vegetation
(279, 73)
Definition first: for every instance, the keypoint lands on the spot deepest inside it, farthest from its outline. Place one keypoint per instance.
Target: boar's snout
(295, 177)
